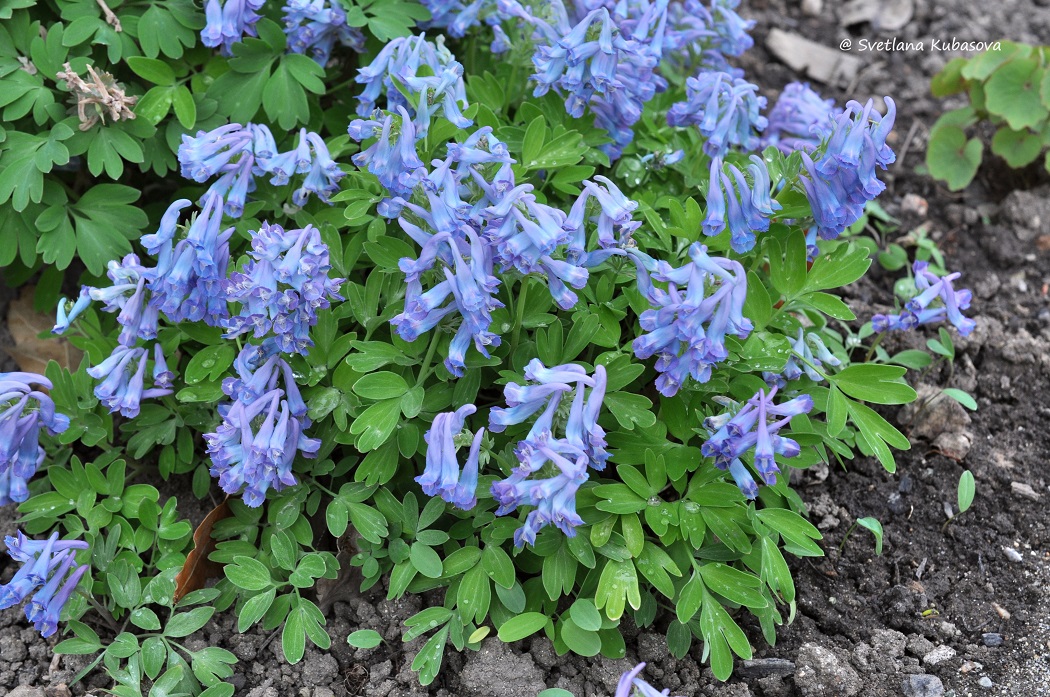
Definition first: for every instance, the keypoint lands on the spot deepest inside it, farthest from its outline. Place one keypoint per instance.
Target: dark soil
(958, 610)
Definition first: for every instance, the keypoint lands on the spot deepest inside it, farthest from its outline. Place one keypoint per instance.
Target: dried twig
(111, 19)
(98, 97)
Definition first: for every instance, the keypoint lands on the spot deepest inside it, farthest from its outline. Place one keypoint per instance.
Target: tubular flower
(724, 108)
(799, 120)
(122, 381)
(630, 684)
(49, 569)
(315, 26)
(567, 458)
(457, 16)
(810, 347)
(614, 219)
(282, 287)
(229, 22)
(750, 429)
(426, 69)
(686, 327)
(23, 410)
(732, 203)
(255, 445)
(842, 179)
(392, 158)
(68, 310)
(698, 35)
(442, 475)
(128, 297)
(936, 301)
(465, 281)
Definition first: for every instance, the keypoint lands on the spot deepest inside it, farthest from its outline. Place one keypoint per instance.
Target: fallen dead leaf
(30, 351)
(198, 568)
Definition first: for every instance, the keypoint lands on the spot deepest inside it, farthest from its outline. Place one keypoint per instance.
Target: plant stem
(874, 345)
(424, 370)
(519, 317)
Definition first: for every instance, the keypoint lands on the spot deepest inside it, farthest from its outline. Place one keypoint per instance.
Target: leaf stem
(425, 369)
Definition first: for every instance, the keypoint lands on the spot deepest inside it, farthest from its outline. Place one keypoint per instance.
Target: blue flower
(253, 449)
(203, 156)
(49, 568)
(23, 410)
(442, 475)
(696, 34)
(810, 347)
(229, 22)
(732, 203)
(128, 297)
(800, 120)
(567, 457)
(68, 311)
(282, 287)
(725, 109)
(122, 381)
(936, 301)
(686, 327)
(315, 26)
(630, 684)
(392, 158)
(750, 429)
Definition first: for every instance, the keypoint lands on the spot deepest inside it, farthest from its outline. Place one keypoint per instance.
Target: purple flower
(315, 26)
(392, 158)
(121, 378)
(442, 475)
(687, 326)
(48, 567)
(936, 301)
(229, 22)
(630, 684)
(582, 445)
(203, 156)
(696, 34)
(724, 108)
(23, 410)
(750, 429)
(68, 311)
(282, 287)
(814, 354)
(799, 120)
(128, 297)
(745, 209)
(253, 449)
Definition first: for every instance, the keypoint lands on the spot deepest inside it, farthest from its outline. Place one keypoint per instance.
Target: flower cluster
(23, 410)
(842, 179)
(262, 427)
(455, 17)
(799, 120)
(688, 322)
(724, 108)
(604, 59)
(442, 475)
(630, 684)
(315, 26)
(733, 435)
(49, 569)
(229, 22)
(936, 301)
(731, 202)
(426, 69)
(238, 154)
(810, 349)
(282, 287)
(567, 458)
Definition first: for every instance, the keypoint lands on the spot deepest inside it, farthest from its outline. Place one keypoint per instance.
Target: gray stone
(985, 682)
(938, 655)
(992, 639)
(922, 686)
(821, 672)
(26, 691)
(497, 670)
(765, 667)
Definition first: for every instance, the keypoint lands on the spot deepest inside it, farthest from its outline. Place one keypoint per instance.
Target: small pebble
(1012, 554)
(992, 639)
(905, 485)
(985, 682)
(923, 686)
(939, 655)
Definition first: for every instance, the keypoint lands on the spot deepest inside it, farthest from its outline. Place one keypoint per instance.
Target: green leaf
(586, 615)
(617, 586)
(967, 489)
(369, 522)
(1018, 148)
(875, 527)
(381, 385)
(689, 599)
(293, 636)
(248, 573)
(498, 566)
(475, 594)
(733, 584)
(952, 158)
(792, 527)
(580, 641)
(254, 608)
(376, 424)
(365, 639)
(877, 433)
(426, 560)
(879, 384)
(155, 104)
(185, 106)
(1013, 93)
(186, 623)
(961, 397)
(532, 144)
(631, 409)
(428, 661)
(721, 635)
(155, 70)
(521, 626)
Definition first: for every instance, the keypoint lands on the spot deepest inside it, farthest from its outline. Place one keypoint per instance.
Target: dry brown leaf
(198, 568)
(30, 352)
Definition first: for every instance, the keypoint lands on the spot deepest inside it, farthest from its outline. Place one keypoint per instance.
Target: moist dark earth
(962, 610)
